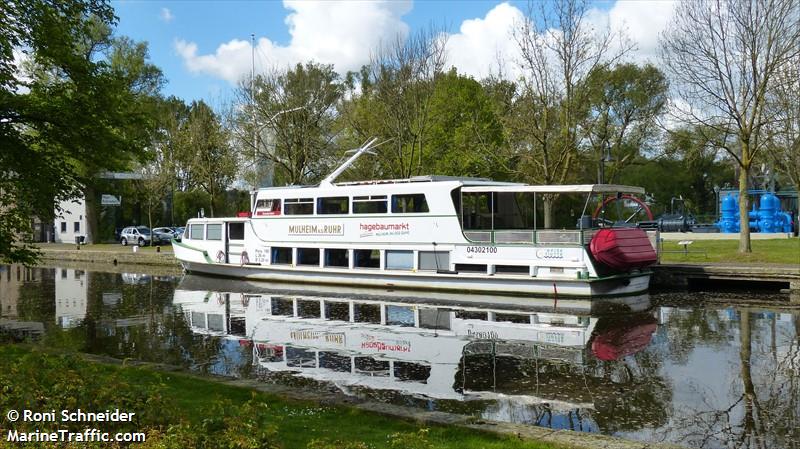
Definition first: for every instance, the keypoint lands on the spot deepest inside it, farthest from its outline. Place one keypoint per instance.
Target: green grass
(178, 410)
(773, 251)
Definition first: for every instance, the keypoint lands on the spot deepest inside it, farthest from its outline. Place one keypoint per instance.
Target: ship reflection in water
(534, 364)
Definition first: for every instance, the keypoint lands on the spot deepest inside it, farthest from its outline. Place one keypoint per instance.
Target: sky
(204, 47)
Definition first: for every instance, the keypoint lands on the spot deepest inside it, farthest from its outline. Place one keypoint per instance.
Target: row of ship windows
(362, 258)
(341, 205)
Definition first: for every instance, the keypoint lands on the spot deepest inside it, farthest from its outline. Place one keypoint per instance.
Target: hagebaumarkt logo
(381, 229)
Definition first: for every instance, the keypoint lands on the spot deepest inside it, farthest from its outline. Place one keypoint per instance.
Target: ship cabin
(435, 223)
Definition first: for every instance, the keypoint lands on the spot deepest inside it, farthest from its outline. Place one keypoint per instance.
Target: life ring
(245, 258)
(220, 257)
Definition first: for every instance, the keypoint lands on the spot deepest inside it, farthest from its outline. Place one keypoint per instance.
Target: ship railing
(531, 237)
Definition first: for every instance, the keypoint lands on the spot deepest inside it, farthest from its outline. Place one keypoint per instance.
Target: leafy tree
(207, 153)
(725, 58)
(625, 102)
(559, 49)
(74, 112)
(465, 135)
(394, 103)
(289, 124)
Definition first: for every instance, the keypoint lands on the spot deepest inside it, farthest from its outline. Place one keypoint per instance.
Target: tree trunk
(91, 214)
(744, 218)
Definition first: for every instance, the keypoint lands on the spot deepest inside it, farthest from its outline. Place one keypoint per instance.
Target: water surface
(698, 369)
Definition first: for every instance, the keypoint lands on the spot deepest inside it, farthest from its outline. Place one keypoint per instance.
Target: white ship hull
(513, 285)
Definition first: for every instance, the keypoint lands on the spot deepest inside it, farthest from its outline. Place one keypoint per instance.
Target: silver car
(165, 234)
(138, 235)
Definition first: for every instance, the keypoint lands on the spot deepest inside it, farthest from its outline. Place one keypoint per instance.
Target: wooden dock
(684, 276)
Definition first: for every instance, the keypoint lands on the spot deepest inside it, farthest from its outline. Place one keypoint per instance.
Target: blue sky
(203, 47)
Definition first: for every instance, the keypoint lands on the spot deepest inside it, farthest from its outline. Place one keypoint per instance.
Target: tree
(70, 112)
(783, 141)
(465, 136)
(559, 49)
(207, 152)
(289, 123)
(625, 103)
(396, 91)
(724, 58)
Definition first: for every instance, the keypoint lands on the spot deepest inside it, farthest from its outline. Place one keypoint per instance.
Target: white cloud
(642, 22)
(166, 15)
(344, 33)
(338, 33)
(482, 44)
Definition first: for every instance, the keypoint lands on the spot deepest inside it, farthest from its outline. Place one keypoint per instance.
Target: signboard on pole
(110, 200)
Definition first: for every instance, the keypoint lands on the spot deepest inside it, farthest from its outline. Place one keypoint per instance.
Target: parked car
(139, 235)
(166, 234)
(179, 231)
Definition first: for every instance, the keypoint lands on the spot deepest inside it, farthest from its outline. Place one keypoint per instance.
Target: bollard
(136, 248)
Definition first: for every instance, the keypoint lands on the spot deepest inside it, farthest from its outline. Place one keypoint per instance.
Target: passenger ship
(432, 233)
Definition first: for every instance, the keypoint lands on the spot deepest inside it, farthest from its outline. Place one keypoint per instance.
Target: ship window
(476, 210)
(472, 315)
(434, 260)
(333, 205)
(414, 203)
(268, 207)
(471, 267)
(336, 258)
(434, 318)
(400, 316)
(334, 361)
(372, 367)
(411, 372)
(399, 260)
(307, 309)
(337, 311)
(199, 320)
(214, 232)
(375, 204)
(236, 231)
(196, 231)
(282, 306)
(215, 322)
(238, 327)
(308, 256)
(299, 206)
(367, 313)
(512, 318)
(367, 258)
(282, 256)
(512, 269)
(300, 358)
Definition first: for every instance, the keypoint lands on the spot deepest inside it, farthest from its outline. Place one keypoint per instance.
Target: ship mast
(328, 181)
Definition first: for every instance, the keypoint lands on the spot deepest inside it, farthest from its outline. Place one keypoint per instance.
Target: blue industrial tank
(769, 217)
(729, 215)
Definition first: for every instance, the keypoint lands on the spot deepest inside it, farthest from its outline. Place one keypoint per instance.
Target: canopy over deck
(566, 188)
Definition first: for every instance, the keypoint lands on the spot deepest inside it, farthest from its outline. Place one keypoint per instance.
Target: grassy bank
(776, 251)
(177, 410)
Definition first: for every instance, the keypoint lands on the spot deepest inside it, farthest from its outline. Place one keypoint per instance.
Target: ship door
(234, 242)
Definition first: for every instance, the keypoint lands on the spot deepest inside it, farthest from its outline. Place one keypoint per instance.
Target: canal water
(697, 369)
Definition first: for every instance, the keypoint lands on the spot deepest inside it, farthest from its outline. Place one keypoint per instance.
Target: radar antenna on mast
(365, 148)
